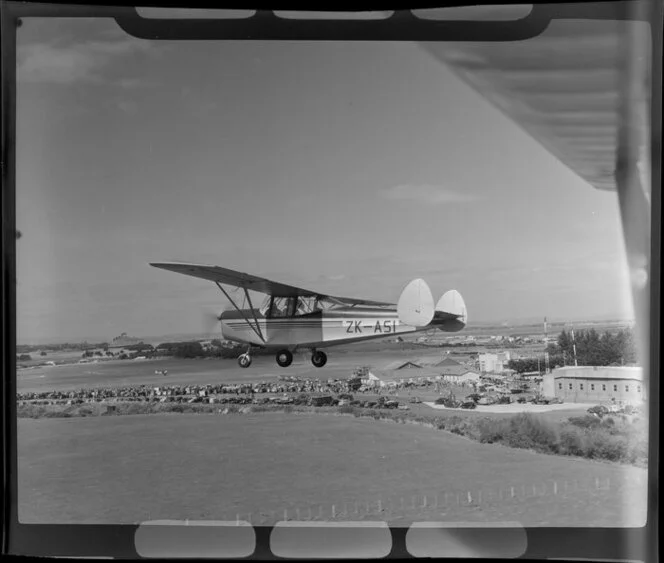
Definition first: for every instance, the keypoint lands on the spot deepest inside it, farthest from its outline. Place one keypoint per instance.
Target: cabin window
(581, 386)
(307, 305)
(615, 387)
(560, 385)
(603, 386)
(570, 386)
(638, 388)
(627, 388)
(278, 307)
(592, 386)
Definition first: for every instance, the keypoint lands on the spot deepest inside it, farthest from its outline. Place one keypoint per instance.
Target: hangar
(588, 384)
(383, 378)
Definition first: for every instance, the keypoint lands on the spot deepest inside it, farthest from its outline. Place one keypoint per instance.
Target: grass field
(136, 468)
(116, 373)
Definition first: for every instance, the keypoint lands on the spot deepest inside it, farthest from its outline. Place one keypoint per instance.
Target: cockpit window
(275, 307)
(307, 305)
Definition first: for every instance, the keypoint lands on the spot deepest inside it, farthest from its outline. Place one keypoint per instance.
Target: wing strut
(255, 327)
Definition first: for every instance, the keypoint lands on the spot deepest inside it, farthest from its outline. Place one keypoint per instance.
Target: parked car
(415, 400)
(468, 405)
(598, 410)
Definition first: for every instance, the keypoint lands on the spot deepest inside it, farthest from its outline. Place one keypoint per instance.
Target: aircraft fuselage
(322, 328)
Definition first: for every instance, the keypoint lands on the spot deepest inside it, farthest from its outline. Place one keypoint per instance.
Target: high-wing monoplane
(292, 318)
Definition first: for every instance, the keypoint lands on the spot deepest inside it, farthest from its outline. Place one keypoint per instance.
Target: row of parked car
(603, 410)
(302, 399)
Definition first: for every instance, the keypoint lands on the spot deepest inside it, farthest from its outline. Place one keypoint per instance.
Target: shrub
(602, 446)
(588, 421)
(489, 432)
(526, 431)
(637, 452)
(458, 425)
(571, 443)
(439, 423)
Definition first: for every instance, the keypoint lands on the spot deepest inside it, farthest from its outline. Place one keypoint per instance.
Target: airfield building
(595, 384)
(459, 374)
(383, 378)
(494, 363)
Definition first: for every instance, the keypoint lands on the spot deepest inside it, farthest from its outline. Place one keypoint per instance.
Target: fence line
(429, 503)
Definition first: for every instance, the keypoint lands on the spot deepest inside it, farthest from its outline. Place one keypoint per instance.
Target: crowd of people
(224, 392)
(151, 392)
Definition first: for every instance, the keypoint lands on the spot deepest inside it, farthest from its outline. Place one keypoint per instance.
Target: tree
(189, 350)
(565, 343)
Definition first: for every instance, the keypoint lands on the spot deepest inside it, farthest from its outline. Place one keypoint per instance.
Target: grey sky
(349, 168)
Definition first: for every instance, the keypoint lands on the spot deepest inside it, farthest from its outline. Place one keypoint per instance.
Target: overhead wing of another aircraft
(578, 88)
(251, 282)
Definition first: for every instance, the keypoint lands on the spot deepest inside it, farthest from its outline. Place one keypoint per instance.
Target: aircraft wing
(567, 87)
(251, 282)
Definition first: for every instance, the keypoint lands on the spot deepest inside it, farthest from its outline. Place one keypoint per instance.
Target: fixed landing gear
(284, 358)
(318, 358)
(244, 360)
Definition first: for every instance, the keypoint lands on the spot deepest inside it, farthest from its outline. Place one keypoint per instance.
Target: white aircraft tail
(453, 304)
(416, 306)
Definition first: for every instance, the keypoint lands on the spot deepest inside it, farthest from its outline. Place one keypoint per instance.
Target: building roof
(600, 372)
(401, 364)
(448, 362)
(457, 370)
(430, 361)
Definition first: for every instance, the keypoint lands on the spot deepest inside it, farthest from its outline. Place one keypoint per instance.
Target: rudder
(416, 306)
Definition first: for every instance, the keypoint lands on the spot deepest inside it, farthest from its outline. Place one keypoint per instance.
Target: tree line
(592, 349)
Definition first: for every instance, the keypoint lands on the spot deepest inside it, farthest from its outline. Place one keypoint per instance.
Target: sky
(345, 168)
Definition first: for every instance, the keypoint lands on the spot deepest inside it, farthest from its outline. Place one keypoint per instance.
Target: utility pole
(574, 347)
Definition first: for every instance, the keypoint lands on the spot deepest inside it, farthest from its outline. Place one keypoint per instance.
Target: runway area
(119, 373)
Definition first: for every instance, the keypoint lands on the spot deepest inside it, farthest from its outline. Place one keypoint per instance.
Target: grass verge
(612, 439)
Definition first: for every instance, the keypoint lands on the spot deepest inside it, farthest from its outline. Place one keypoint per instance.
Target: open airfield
(265, 467)
(117, 373)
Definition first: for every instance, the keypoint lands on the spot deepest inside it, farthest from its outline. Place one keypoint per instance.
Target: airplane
(292, 318)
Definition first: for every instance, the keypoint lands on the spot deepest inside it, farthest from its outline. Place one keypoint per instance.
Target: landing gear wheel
(319, 359)
(284, 358)
(244, 360)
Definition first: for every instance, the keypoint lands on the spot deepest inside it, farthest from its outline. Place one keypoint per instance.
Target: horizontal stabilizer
(451, 303)
(416, 306)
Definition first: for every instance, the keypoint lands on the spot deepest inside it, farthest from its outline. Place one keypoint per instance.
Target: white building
(588, 384)
(494, 363)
